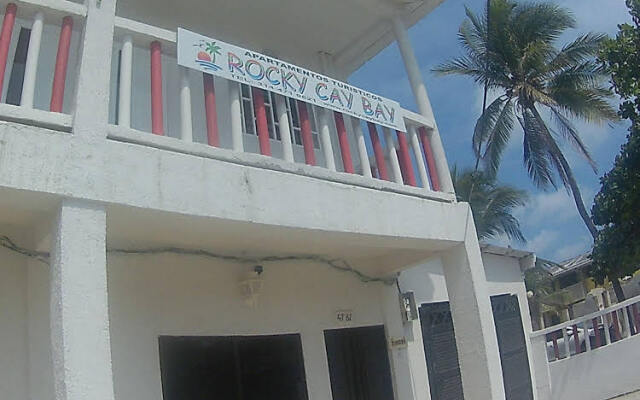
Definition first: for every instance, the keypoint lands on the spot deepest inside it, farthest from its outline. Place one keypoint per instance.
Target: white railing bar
(59, 7)
(414, 119)
(565, 339)
(31, 65)
(596, 314)
(285, 130)
(126, 66)
(325, 139)
(607, 333)
(393, 156)
(186, 124)
(149, 32)
(627, 327)
(235, 108)
(362, 147)
(587, 339)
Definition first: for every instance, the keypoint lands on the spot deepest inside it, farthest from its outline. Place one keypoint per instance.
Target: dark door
(359, 363)
(441, 352)
(232, 368)
(513, 349)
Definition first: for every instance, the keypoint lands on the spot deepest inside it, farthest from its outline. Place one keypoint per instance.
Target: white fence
(591, 357)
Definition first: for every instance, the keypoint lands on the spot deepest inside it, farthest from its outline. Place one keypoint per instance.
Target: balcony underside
(290, 30)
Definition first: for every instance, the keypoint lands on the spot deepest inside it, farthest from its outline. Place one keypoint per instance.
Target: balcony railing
(38, 41)
(592, 331)
(151, 94)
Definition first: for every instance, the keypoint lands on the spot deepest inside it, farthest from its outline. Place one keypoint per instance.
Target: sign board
(245, 66)
(398, 343)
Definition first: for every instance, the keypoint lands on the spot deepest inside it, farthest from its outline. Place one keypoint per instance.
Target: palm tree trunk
(577, 197)
(617, 289)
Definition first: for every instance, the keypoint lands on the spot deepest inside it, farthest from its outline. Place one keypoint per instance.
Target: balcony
(183, 111)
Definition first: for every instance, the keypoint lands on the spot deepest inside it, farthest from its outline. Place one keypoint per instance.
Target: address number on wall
(344, 316)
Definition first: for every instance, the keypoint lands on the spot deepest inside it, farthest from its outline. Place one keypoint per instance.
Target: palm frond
(568, 131)
(584, 48)
(493, 130)
(536, 156)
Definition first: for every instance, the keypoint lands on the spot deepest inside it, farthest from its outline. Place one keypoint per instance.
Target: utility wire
(335, 263)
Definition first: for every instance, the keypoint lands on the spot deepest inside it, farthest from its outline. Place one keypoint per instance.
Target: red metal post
(261, 121)
(616, 327)
(305, 133)
(596, 331)
(431, 162)
(62, 60)
(636, 317)
(556, 350)
(210, 110)
(576, 338)
(5, 39)
(378, 152)
(157, 120)
(344, 143)
(405, 159)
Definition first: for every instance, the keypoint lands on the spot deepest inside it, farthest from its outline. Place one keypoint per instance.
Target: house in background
(570, 293)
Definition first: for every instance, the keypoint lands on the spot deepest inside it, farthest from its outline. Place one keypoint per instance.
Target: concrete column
(473, 318)
(399, 354)
(91, 106)
(80, 338)
(422, 100)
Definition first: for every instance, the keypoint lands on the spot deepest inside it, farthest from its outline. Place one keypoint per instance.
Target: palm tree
(492, 204)
(515, 57)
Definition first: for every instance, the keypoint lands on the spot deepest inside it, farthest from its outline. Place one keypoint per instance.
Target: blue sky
(550, 221)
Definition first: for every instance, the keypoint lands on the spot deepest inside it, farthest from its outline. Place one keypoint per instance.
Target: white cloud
(543, 241)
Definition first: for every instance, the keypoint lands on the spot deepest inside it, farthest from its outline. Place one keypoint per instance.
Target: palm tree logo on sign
(207, 53)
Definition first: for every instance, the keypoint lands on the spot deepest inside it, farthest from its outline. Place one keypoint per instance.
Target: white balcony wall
(47, 61)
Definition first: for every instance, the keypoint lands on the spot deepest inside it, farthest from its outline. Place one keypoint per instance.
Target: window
(249, 118)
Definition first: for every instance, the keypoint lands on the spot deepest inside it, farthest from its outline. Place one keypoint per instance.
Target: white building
(190, 263)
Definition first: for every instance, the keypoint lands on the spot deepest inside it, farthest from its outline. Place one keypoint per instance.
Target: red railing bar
(5, 39)
(261, 121)
(596, 331)
(406, 166)
(210, 110)
(305, 133)
(343, 140)
(62, 61)
(556, 349)
(157, 120)
(378, 152)
(431, 162)
(616, 327)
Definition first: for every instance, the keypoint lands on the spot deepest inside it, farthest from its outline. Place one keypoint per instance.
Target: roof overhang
(352, 31)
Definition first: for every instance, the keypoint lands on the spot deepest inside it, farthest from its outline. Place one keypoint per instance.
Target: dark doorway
(232, 368)
(359, 363)
(513, 348)
(441, 352)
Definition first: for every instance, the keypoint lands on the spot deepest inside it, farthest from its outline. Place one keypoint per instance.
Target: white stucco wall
(176, 295)
(13, 327)
(427, 281)
(602, 373)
